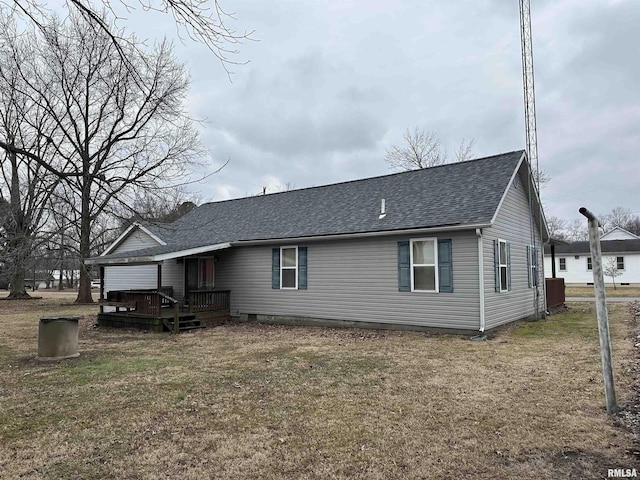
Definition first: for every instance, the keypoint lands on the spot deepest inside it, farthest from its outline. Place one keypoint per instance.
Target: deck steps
(185, 322)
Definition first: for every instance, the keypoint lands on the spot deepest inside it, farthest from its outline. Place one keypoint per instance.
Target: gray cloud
(330, 85)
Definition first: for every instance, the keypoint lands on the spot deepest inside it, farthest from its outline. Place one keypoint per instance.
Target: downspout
(481, 277)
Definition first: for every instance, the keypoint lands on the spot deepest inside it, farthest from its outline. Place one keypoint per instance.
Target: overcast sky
(330, 85)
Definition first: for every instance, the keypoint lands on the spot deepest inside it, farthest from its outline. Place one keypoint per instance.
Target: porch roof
(153, 254)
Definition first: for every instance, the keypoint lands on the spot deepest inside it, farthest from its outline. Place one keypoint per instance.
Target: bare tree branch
(423, 150)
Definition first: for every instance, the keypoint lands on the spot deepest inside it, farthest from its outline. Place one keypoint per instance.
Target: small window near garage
(424, 259)
(589, 264)
(620, 263)
(289, 267)
(563, 264)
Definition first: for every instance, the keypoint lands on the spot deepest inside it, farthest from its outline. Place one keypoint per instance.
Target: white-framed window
(562, 264)
(620, 263)
(503, 265)
(589, 264)
(424, 265)
(289, 268)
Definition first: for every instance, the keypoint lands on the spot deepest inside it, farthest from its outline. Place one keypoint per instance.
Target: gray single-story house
(456, 246)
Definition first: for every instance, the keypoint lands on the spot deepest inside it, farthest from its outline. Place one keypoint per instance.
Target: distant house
(574, 264)
(453, 247)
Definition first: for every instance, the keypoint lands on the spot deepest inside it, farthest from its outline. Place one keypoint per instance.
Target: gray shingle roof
(464, 193)
(607, 246)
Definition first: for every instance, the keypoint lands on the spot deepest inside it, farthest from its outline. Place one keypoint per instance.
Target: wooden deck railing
(151, 302)
(203, 300)
(147, 301)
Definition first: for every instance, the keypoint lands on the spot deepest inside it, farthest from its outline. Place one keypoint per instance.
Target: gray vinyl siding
(513, 224)
(128, 277)
(353, 280)
(136, 240)
(173, 276)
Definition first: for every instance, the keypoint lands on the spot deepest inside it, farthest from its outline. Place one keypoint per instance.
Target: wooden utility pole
(601, 310)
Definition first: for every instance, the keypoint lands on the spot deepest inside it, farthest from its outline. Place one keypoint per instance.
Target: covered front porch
(169, 294)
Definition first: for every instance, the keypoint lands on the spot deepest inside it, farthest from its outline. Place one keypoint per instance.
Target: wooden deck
(157, 311)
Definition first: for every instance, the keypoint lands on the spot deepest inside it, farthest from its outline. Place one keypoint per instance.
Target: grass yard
(251, 401)
(587, 291)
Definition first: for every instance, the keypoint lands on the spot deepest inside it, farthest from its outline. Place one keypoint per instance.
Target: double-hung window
(289, 267)
(620, 263)
(589, 264)
(425, 265)
(502, 265)
(563, 264)
(424, 261)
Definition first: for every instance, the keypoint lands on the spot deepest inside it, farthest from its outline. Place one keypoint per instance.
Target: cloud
(331, 84)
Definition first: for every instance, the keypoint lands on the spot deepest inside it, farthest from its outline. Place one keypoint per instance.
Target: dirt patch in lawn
(252, 401)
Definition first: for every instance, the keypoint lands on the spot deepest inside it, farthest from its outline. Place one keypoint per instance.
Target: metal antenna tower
(529, 89)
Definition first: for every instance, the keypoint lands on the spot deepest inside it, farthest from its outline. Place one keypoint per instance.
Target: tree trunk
(18, 246)
(84, 288)
(17, 285)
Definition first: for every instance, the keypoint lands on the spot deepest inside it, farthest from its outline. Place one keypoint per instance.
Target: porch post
(159, 276)
(101, 288)
(553, 261)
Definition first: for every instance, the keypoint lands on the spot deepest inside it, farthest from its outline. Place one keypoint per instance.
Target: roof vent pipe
(383, 210)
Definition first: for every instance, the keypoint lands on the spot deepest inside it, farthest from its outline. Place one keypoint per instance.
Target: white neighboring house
(573, 261)
(618, 233)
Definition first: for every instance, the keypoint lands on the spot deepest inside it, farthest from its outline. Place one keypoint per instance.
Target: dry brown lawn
(251, 401)
(587, 291)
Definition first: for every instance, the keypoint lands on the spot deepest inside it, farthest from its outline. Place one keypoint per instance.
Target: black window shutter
(496, 262)
(536, 252)
(445, 266)
(529, 279)
(509, 265)
(302, 268)
(275, 268)
(404, 267)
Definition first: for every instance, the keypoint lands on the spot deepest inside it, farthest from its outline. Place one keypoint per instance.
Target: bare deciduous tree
(617, 217)
(611, 270)
(202, 21)
(423, 150)
(556, 226)
(577, 231)
(25, 183)
(114, 131)
(420, 150)
(465, 150)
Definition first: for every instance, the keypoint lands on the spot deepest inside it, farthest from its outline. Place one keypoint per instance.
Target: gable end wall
(513, 224)
(136, 240)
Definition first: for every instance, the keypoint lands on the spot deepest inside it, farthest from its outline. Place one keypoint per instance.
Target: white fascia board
(126, 233)
(120, 261)
(155, 258)
(383, 233)
(191, 251)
